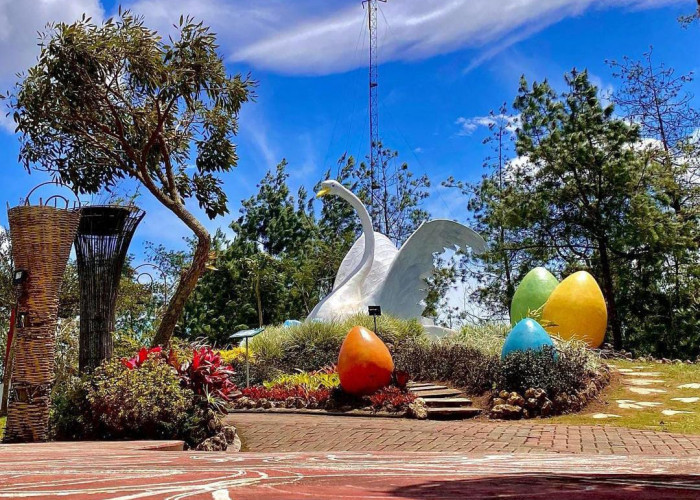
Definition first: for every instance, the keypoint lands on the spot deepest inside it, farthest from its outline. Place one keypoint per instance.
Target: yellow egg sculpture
(576, 310)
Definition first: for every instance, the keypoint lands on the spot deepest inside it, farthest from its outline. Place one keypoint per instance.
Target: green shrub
(71, 417)
(566, 372)
(447, 360)
(312, 345)
(147, 403)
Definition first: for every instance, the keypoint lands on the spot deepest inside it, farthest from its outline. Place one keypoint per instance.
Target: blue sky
(442, 60)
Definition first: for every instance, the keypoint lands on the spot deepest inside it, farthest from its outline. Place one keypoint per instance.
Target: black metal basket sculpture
(101, 245)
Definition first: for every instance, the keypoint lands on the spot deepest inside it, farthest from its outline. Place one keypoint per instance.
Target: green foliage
(313, 345)
(132, 404)
(588, 193)
(568, 371)
(281, 262)
(487, 337)
(117, 100)
(448, 360)
(308, 380)
(392, 194)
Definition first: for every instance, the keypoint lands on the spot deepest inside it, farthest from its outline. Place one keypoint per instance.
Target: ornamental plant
(205, 374)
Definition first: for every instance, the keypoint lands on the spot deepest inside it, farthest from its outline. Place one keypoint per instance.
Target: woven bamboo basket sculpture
(101, 244)
(42, 237)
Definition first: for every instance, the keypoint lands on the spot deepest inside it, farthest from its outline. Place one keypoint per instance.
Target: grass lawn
(651, 418)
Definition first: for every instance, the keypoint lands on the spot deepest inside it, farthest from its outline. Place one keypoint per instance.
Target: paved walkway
(264, 432)
(125, 471)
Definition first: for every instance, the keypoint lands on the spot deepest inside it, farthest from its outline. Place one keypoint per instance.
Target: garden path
(266, 432)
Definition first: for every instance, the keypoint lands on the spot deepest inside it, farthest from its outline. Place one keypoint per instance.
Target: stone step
(427, 388)
(446, 402)
(439, 393)
(411, 385)
(450, 413)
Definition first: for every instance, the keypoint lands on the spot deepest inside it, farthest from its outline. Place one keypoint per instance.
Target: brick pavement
(261, 432)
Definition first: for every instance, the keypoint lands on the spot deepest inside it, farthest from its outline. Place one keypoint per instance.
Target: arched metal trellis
(42, 237)
(101, 245)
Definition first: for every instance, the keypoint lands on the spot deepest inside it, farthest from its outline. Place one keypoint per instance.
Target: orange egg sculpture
(576, 310)
(364, 363)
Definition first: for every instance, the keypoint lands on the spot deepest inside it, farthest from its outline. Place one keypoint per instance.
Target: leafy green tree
(498, 270)
(659, 289)
(585, 182)
(281, 261)
(392, 193)
(113, 101)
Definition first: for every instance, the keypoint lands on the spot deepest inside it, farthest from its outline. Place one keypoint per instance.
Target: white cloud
(20, 20)
(467, 126)
(314, 37)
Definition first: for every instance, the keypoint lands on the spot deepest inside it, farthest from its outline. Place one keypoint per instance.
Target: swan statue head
(332, 187)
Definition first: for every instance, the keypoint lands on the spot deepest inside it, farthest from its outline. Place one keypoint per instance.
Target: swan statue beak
(323, 192)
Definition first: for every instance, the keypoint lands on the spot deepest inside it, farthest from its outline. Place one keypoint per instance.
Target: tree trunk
(185, 287)
(258, 299)
(608, 292)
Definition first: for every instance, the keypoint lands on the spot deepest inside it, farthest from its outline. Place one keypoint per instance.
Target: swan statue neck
(367, 229)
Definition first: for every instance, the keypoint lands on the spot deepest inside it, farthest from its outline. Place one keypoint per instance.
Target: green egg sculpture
(531, 294)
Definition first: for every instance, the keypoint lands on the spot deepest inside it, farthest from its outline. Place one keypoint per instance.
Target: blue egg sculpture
(290, 323)
(526, 334)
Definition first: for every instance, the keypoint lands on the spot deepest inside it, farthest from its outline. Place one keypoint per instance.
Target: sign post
(374, 311)
(247, 334)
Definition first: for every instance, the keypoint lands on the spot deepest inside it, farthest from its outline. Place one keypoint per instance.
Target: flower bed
(320, 390)
(152, 395)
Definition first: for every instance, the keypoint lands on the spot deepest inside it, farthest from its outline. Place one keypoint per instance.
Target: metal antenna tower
(372, 7)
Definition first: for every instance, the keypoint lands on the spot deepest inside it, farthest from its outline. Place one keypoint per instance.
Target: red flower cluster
(204, 374)
(281, 393)
(392, 395)
(141, 357)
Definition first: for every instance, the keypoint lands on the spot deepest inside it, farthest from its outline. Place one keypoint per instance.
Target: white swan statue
(375, 272)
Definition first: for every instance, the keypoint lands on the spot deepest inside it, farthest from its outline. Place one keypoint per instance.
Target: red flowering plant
(205, 374)
(393, 396)
(141, 357)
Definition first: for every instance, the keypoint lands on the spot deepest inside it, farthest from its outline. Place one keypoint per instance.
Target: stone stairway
(443, 403)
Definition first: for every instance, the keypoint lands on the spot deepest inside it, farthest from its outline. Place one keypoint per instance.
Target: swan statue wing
(384, 253)
(404, 288)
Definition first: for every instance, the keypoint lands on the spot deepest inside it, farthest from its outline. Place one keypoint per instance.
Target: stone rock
(540, 395)
(504, 394)
(530, 393)
(531, 403)
(214, 443)
(498, 401)
(289, 402)
(229, 432)
(547, 408)
(516, 399)
(506, 412)
(267, 404)
(416, 409)
(299, 403)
